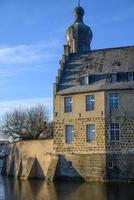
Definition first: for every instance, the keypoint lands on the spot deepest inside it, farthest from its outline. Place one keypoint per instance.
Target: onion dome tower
(79, 35)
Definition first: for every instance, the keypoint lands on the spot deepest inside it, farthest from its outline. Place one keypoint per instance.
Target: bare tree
(14, 122)
(26, 123)
(36, 121)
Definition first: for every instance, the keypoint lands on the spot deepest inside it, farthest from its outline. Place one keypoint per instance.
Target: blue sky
(32, 35)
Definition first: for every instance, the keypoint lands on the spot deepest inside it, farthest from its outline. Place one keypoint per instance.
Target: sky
(32, 35)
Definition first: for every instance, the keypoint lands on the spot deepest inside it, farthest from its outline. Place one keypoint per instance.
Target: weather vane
(79, 3)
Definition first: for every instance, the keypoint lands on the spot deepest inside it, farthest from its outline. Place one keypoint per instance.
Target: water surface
(11, 189)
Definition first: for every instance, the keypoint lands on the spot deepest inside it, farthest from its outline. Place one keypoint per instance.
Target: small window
(86, 80)
(90, 103)
(113, 101)
(69, 131)
(68, 104)
(90, 132)
(114, 132)
(113, 78)
(110, 165)
(130, 76)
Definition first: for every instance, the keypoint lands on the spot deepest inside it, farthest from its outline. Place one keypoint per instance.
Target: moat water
(11, 189)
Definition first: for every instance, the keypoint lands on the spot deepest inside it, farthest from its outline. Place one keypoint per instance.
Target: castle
(93, 116)
(94, 108)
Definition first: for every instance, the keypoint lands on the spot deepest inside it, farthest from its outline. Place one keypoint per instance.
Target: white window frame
(70, 105)
(114, 132)
(113, 101)
(86, 80)
(67, 138)
(91, 101)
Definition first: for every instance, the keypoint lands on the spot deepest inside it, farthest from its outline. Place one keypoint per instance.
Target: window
(130, 76)
(90, 103)
(113, 78)
(69, 131)
(110, 165)
(68, 104)
(90, 132)
(114, 132)
(113, 101)
(86, 80)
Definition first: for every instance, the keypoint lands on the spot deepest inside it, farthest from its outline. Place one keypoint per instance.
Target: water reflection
(11, 189)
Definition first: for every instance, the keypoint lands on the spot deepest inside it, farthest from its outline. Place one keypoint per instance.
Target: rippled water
(11, 189)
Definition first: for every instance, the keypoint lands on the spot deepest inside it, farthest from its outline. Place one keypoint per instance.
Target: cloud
(27, 54)
(19, 59)
(26, 103)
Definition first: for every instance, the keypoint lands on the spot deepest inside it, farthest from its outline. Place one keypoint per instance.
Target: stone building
(94, 108)
(93, 116)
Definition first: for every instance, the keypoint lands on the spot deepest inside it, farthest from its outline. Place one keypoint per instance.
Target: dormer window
(86, 80)
(130, 76)
(113, 78)
(117, 63)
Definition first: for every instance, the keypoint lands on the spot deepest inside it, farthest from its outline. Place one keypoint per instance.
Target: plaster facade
(79, 118)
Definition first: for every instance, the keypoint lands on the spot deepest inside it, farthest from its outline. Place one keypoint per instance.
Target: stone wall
(79, 144)
(80, 118)
(96, 167)
(122, 166)
(101, 117)
(86, 167)
(102, 159)
(99, 160)
(37, 159)
(125, 117)
(32, 159)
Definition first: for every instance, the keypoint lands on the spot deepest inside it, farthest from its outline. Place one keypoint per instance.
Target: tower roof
(79, 35)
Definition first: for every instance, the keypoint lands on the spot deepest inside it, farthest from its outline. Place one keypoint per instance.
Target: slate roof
(97, 62)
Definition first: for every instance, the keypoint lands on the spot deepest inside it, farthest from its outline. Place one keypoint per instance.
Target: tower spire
(79, 35)
(78, 3)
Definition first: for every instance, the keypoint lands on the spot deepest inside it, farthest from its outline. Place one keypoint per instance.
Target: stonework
(32, 159)
(102, 159)
(108, 154)
(101, 117)
(108, 76)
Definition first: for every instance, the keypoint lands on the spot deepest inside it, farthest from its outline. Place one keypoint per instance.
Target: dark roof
(102, 61)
